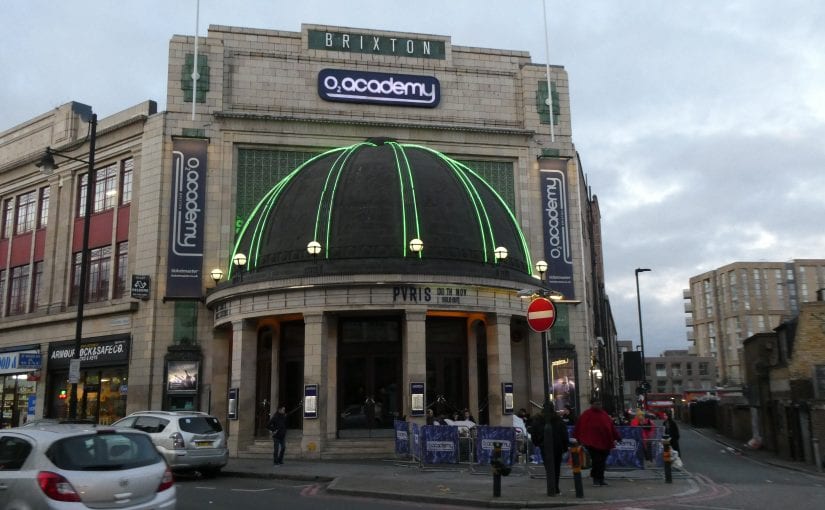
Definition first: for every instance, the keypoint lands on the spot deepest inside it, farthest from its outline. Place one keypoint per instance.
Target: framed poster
(417, 399)
(310, 401)
(507, 398)
(232, 412)
(182, 376)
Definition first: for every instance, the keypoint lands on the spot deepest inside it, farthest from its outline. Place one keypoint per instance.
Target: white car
(188, 440)
(62, 466)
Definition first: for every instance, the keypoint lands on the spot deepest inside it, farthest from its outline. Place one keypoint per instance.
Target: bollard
(668, 459)
(548, 456)
(817, 457)
(499, 469)
(576, 459)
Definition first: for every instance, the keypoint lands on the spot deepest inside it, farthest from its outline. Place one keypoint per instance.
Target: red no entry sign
(541, 314)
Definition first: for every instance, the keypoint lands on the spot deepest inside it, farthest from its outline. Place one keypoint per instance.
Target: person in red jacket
(596, 431)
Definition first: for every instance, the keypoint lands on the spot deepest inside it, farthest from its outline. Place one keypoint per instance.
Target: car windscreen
(200, 424)
(109, 451)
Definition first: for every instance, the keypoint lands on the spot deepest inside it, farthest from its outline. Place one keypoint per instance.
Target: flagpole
(195, 75)
(547, 70)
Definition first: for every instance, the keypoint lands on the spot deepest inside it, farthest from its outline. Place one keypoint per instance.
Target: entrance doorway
(369, 377)
(447, 378)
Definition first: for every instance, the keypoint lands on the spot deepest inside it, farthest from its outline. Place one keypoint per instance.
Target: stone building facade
(349, 339)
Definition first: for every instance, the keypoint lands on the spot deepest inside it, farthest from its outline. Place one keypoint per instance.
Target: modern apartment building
(731, 303)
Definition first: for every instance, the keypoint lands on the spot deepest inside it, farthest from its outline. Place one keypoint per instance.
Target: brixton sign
(541, 314)
(378, 88)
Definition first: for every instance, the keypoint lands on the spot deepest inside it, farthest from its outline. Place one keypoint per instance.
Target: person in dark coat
(672, 430)
(277, 425)
(560, 440)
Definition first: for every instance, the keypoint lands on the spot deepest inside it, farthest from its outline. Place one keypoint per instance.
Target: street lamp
(47, 166)
(641, 333)
(216, 275)
(239, 261)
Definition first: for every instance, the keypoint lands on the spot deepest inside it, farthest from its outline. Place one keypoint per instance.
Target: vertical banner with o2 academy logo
(555, 226)
(186, 218)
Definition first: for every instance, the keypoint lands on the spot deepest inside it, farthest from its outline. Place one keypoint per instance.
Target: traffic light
(63, 395)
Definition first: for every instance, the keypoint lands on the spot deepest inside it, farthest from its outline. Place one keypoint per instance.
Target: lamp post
(541, 267)
(48, 165)
(641, 333)
(239, 260)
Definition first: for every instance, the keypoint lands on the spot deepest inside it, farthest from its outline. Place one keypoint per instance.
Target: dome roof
(362, 205)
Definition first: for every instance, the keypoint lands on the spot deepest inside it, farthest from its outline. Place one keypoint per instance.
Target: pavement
(472, 485)
(464, 484)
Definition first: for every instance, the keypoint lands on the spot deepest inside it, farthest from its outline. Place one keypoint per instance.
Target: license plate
(203, 444)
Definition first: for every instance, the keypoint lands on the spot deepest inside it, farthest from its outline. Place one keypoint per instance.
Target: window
(37, 283)
(126, 181)
(677, 386)
(105, 190)
(26, 208)
(186, 323)
(2, 290)
(121, 268)
(703, 368)
(8, 218)
(98, 285)
(43, 210)
(18, 284)
(660, 370)
(661, 386)
(676, 371)
(689, 368)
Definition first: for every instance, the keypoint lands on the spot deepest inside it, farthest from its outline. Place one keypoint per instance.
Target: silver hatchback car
(188, 440)
(82, 466)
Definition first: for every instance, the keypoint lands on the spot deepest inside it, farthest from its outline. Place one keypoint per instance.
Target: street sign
(541, 314)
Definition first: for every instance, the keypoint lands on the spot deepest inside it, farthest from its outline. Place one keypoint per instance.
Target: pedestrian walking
(277, 425)
(559, 441)
(672, 430)
(646, 424)
(596, 431)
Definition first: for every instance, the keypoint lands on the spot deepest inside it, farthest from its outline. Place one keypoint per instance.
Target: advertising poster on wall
(182, 376)
(556, 227)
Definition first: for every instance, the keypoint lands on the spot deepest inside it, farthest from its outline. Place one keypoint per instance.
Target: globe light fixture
(416, 245)
(314, 248)
(500, 253)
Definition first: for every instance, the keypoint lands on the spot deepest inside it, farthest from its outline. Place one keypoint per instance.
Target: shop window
(186, 322)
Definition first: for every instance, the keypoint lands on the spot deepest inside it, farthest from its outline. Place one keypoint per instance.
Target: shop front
(19, 374)
(103, 386)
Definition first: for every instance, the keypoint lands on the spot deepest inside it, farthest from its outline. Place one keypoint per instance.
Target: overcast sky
(700, 124)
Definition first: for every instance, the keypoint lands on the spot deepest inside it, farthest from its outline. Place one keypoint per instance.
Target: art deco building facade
(732, 303)
(389, 195)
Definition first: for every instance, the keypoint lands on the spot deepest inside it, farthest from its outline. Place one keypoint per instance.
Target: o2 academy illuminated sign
(378, 88)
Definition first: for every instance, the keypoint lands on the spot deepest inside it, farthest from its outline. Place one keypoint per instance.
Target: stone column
(244, 367)
(315, 360)
(499, 364)
(472, 365)
(414, 338)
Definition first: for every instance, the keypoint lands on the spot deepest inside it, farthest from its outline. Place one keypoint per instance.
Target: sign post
(541, 315)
